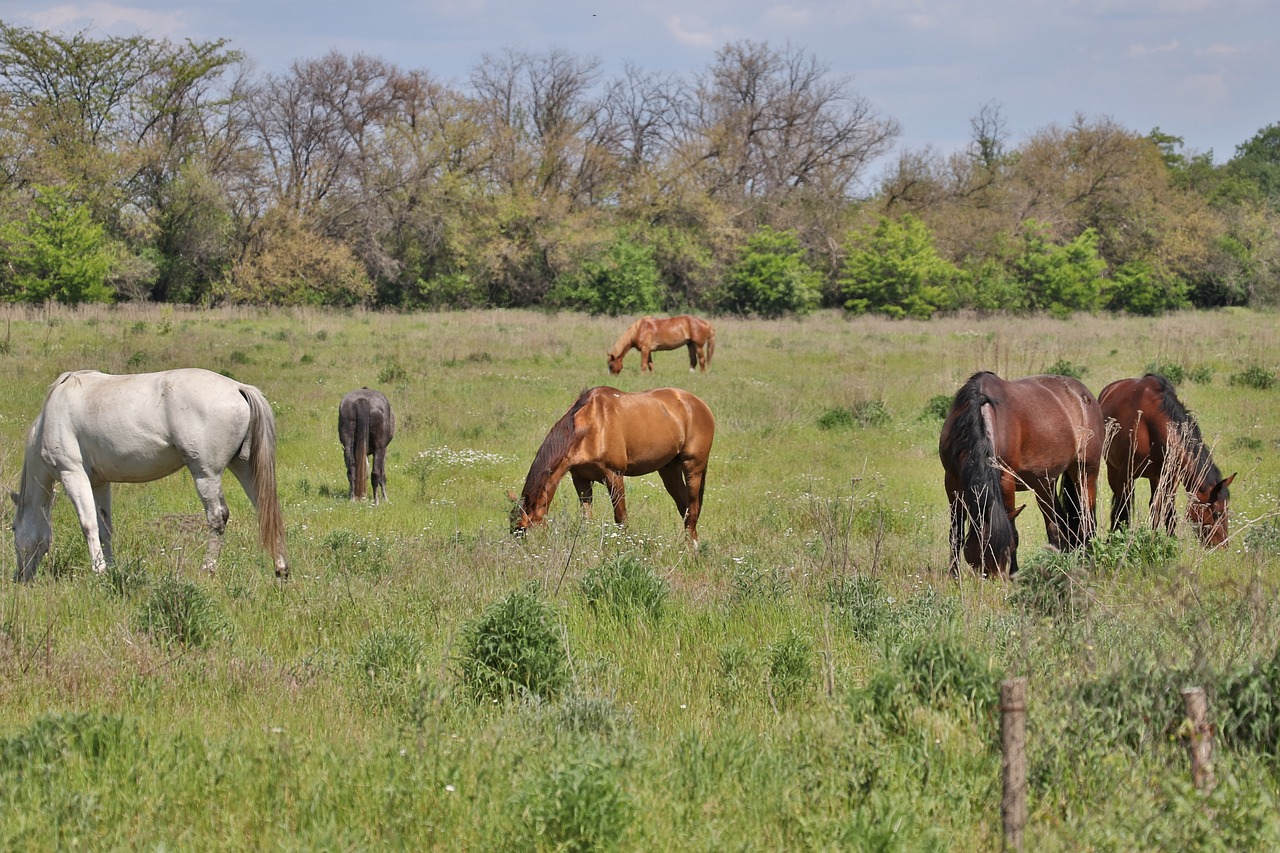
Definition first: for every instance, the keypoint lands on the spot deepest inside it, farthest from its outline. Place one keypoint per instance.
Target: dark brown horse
(648, 334)
(608, 434)
(366, 426)
(1003, 437)
(1157, 438)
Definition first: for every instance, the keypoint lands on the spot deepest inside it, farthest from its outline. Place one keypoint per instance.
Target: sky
(1203, 70)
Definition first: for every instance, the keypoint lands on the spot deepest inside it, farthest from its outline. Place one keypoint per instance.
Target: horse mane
(1203, 465)
(626, 339)
(979, 475)
(553, 449)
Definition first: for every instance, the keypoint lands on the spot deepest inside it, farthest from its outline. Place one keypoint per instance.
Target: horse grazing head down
(32, 535)
(993, 548)
(1207, 512)
(521, 517)
(615, 361)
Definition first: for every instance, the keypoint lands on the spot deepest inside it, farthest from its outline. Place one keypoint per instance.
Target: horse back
(140, 427)
(638, 433)
(1046, 423)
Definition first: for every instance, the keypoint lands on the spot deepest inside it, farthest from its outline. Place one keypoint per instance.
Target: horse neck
(1196, 468)
(627, 339)
(550, 463)
(38, 476)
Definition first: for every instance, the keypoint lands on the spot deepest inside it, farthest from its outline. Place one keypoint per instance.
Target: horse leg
(216, 513)
(646, 359)
(694, 360)
(673, 478)
(380, 473)
(1121, 482)
(102, 497)
(695, 483)
(81, 494)
(583, 485)
(1048, 503)
(618, 494)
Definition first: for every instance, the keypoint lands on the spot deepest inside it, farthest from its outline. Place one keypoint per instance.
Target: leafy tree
(1135, 289)
(771, 277)
(293, 265)
(621, 279)
(1061, 279)
(895, 269)
(1258, 162)
(58, 253)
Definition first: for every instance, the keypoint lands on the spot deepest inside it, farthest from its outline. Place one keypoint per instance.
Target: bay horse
(1041, 433)
(609, 434)
(1157, 438)
(648, 334)
(96, 429)
(366, 426)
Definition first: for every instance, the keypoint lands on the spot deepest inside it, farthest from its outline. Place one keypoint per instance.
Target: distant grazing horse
(648, 334)
(366, 426)
(1158, 439)
(607, 435)
(1003, 437)
(97, 429)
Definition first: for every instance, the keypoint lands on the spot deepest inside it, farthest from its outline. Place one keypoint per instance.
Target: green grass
(812, 678)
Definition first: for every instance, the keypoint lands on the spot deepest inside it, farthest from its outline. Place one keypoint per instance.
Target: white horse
(96, 429)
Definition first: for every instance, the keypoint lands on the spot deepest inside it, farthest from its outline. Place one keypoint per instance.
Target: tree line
(140, 169)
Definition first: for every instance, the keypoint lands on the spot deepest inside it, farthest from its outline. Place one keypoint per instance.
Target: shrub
(622, 279)
(1136, 289)
(938, 407)
(386, 664)
(578, 805)
(178, 611)
(864, 413)
(392, 372)
(1251, 695)
(771, 277)
(1201, 375)
(1051, 584)
(513, 649)
(624, 585)
(1253, 377)
(1061, 279)
(861, 602)
(790, 666)
(1062, 367)
(58, 253)
(837, 418)
(1170, 370)
(894, 269)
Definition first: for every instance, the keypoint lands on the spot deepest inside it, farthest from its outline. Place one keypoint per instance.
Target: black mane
(1203, 467)
(980, 478)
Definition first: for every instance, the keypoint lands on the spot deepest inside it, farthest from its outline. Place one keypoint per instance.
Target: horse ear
(1016, 512)
(1227, 482)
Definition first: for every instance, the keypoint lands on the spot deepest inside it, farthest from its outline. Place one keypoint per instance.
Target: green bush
(1061, 279)
(864, 413)
(860, 601)
(894, 269)
(1170, 370)
(624, 584)
(1251, 696)
(178, 611)
(1062, 367)
(1136, 289)
(58, 253)
(622, 279)
(938, 407)
(579, 804)
(513, 649)
(790, 667)
(1253, 377)
(771, 277)
(386, 665)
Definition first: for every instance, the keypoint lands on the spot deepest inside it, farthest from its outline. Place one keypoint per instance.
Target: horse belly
(132, 462)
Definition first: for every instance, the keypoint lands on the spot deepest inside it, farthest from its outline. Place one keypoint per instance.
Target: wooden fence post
(1013, 760)
(1199, 738)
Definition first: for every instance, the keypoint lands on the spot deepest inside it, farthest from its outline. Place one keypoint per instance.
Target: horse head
(32, 534)
(520, 517)
(615, 362)
(1207, 511)
(994, 551)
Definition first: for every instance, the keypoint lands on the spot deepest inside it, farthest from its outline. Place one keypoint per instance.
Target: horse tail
(361, 447)
(262, 460)
(1071, 508)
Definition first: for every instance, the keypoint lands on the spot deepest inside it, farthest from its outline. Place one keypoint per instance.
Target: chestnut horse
(648, 334)
(1158, 439)
(366, 426)
(607, 435)
(1003, 437)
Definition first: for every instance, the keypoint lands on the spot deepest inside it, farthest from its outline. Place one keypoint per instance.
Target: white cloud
(108, 17)
(1148, 49)
(785, 16)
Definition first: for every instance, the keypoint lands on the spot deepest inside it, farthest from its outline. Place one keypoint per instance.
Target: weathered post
(1013, 760)
(1199, 738)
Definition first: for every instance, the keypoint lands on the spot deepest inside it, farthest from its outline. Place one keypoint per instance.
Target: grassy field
(812, 678)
